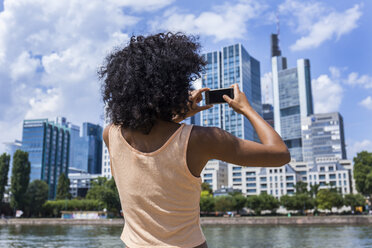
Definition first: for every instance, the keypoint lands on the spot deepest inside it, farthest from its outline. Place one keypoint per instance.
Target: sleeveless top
(159, 196)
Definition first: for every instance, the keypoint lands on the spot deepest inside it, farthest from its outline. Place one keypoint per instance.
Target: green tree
(363, 172)
(254, 202)
(223, 203)
(326, 199)
(262, 202)
(301, 187)
(20, 179)
(206, 187)
(314, 190)
(4, 169)
(269, 202)
(238, 202)
(63, 187)
(300, 201)
(207, 203)
(354, 200)
(36, 195)
(106, 192)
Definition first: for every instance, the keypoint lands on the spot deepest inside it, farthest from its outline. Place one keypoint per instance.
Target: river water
(224, 236)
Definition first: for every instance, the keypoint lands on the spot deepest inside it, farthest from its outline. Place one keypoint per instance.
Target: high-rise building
(10, 148)
(292, 98)
(233, 64)
(268, 113)
(89, 149)
(74, 144)
(323, 136)
(47, 143)
(106, 169)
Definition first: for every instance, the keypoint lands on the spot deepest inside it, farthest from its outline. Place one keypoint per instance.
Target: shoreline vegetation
(259, 220)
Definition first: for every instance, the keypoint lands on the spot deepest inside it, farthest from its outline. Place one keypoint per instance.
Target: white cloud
(367, 102)
(327, 92)
(318, 23)
(364, 80)
(50, 52)
(267, 88)
(142, 5)
(227, 21)
(358, 146)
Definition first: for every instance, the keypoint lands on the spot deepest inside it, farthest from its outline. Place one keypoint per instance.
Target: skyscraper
(268, 113)
(292, 98)
(232, 65)
(106, 169)
(323, 137)
(94, 134)
(47, 143)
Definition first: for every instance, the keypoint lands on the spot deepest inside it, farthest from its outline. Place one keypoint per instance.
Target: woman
(155, 161)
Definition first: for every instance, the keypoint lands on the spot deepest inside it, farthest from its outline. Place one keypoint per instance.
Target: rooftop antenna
(277, 24)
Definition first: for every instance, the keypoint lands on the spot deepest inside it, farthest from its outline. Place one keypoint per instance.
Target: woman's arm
(216, 143)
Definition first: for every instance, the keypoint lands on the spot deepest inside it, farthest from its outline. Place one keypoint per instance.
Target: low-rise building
(215, 174)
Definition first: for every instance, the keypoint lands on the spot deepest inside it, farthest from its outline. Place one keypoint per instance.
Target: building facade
(91, 148)
(292, 99)
(48, 144)
(106, 169)
(215, 174)
(233, 64)
(80, 183)
(268, 113)
(323, 136)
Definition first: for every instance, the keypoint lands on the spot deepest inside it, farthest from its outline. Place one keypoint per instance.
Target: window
(289, 184)
(332, 176)
(251, 185)
(321, 177)
(251, 190)
(322, 169)
(250, 173)
(237, 179)
(207, 174)
(289, 177)
(263, 179)
(330, 168)
(237, 173)
(251, 179)
(237, 168)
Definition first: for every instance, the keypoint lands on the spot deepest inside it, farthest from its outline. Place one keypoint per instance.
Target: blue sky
(50, 50)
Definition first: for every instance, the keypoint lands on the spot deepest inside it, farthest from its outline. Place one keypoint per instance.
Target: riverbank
(272, 220)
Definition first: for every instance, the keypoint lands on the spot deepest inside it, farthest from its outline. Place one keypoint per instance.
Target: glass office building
(232, 65)
(323, 137)
(268, 113)
(47, 144)
(292, 99)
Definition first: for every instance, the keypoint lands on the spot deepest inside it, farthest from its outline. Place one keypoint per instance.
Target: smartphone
(215, 96)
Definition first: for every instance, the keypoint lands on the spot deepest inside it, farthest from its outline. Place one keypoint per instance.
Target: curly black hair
(150, 78)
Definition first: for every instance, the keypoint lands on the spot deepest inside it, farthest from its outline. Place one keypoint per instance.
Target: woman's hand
(194, 108)
(240, 101)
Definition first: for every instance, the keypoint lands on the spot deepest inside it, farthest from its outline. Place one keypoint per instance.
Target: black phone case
(230, 93)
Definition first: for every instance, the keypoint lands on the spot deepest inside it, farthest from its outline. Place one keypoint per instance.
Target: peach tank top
(159, 196)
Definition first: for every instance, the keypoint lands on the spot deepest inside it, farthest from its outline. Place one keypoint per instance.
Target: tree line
(301, 200)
